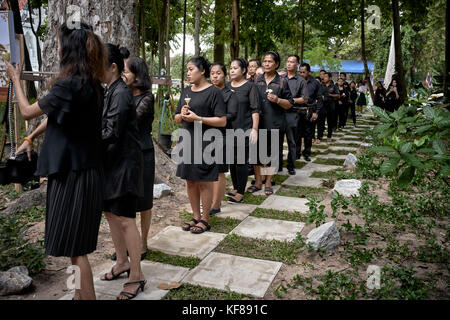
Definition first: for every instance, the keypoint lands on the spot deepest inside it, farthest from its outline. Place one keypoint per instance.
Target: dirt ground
(50, 284)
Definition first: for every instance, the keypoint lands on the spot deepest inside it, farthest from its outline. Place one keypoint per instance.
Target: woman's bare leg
(146, 219)
(219, 191)
(86, 292)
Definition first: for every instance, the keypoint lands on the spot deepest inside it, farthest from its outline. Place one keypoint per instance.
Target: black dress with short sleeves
(205, 103)
(145, 114)
(232, 107)
(70, 157)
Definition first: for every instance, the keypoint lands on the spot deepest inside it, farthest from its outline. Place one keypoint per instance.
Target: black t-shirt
(231, 104)
(313, 93)
(73, 136)
(328, 101)
(297, 85)
(248, 100)
(272, 115)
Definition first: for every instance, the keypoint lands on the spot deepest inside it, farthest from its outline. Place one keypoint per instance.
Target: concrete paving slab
(154, 272)
(285, 203)
(236, 211)
(303, 180)
(331, 156)
(268, 229)
(172, 240)
(337, 148)
(311, 167)
(239, 274)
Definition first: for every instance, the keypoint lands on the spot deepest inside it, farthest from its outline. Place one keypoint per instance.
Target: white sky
(190, 46)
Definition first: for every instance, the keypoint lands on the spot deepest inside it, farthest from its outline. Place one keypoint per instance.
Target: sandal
(253, 189)
(268, 191)
(208, 227)
(130, 295)
(189, 226)
(115, 276)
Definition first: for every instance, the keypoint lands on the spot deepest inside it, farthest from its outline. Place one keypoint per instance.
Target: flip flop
(268, 191)
(253, 189)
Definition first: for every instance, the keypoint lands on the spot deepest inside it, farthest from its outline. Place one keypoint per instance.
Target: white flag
(390, 68)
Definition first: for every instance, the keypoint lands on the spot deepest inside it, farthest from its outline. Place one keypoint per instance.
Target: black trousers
(328, 113)
(239, 172)
(305, 130)
(352, 108)
(342, 113)
(290, 130)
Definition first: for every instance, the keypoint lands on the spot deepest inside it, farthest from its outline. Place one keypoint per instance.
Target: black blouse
(232, 106)
(122, 156)
(248, 100)
(145, 113)
(272, 115)
(73, 135)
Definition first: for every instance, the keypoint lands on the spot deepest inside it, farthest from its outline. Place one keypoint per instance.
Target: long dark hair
(82, 53)
(139, 68)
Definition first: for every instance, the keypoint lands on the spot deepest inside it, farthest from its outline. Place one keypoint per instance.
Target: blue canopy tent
(347, 66)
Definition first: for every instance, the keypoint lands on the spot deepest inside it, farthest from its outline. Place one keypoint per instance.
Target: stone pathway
(228, 272)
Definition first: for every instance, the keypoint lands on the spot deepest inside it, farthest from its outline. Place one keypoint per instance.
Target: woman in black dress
(393, 97)
(218, 74)
(70, 154)
(352, 101)
(275, 97)
(200, 106)
(380, 95)
(122, 162)
(342, 104)
(247, 120)
(138, 80)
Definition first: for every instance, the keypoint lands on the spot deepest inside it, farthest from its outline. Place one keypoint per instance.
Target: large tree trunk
(447, 52)
(363, 50)
(398, 51)
(198, 15)
(113, 20)
(219, 26)
(167, 39)
(234, 39)
(31, 89)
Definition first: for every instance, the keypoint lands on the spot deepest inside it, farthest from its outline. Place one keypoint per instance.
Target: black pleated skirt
(146, 202)
(73, 213)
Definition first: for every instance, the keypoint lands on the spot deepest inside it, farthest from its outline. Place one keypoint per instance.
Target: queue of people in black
(98, 152)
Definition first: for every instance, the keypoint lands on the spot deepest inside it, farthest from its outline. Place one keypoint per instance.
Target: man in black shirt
(330, 93)
(297, 86)
(308, 113)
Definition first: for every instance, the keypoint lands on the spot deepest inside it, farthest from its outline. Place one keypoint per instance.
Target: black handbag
(20, 169)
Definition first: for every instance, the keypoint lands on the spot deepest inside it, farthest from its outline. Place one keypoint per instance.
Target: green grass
(301, 192)
(35, 214)
(320, 146)
(331, 162)
(350, 145)
(158, 256)
(297, 164)
(250, 198)
(218, 225)
(283, 251)
(332, 174)
(279, 179)
(337, 152)
(279, 214)
(191, 292)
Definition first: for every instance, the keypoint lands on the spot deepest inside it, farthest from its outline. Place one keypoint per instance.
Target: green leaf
(439, 146)
(441, 157)
(429, 112)
(381, 127)
(445, 171)
(421, 141)
(408, 119)
(402, 128)
(387, 133)
(406, 176)
(422, 129)
(381, 114)
(383, 149)
(412, 160)
(426, 150)
(405, 148)
(389, 166)
(444, 123)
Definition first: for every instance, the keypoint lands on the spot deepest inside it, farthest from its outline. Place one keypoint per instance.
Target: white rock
(326, 236)
(366, 145)
(14, 281)
(161, 190)
(350, 161)
(348, 187)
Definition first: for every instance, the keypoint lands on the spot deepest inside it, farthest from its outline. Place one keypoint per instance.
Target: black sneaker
(307, 158)
(292, 172)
